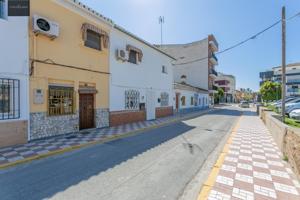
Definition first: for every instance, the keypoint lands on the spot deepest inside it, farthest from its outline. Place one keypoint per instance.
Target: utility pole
(161, 22)
(283, 63)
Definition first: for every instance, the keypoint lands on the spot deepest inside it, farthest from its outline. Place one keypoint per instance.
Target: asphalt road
(154, 165)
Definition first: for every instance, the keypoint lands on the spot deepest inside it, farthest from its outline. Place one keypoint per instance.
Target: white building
(194, 72)
(14, 73)
(141, 85)
(228, 84)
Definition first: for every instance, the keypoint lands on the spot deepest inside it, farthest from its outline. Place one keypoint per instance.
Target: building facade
(141, 85)
(228, 84)
(69, 69)
(14, 83)
(194, 67)
(292, 78)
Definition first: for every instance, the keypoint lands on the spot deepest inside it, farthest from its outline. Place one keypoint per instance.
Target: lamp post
(283, 21)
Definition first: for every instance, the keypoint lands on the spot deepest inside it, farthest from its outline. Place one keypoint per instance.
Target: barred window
(61, 100)
(164, 99)
(9, 99)
(2, 9)
(132, 99)
(183, 100)
(192, 101)
(196, 96)
(133, 56)
(93, 40)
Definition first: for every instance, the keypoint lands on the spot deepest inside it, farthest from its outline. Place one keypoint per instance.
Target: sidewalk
(42, 148)
(251, 167)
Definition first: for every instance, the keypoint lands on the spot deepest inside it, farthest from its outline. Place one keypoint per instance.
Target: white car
(295, 114)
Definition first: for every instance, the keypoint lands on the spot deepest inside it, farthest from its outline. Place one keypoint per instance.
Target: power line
(242, 42)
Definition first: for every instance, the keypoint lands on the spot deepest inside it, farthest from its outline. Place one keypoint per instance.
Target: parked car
(292, 106)
(244, 104)
(295, 114)
(288, 102)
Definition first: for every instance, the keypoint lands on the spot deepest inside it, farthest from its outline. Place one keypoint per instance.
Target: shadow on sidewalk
(43, 179)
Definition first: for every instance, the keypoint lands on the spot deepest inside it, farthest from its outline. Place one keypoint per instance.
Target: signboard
(18, 8)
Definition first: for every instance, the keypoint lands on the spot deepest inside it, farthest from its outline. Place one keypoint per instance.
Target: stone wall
(13, 133)
(125, 117)
(102, 117)
(286, 137)
(42, 125)
(163, 111)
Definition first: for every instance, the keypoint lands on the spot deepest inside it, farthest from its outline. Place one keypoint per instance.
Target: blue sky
(229, 20)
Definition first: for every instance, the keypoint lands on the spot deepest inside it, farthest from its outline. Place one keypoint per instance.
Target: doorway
(86, 111)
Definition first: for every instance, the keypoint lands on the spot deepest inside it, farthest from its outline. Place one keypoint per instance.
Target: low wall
(163, 111)
(287, 138)
(13, 133)
(124, 117)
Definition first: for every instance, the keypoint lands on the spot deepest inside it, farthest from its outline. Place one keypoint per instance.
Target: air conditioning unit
(121, 55)
(42, 25)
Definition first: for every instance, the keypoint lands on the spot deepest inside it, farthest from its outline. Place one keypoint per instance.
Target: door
(150, 105)
(86, 111)
(177, 101)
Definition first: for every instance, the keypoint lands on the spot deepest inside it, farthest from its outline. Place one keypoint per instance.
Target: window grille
(2, 9)
(61, 100)
(132, 99)
(196, 96)
(133, 56)
(164, 99)
(183, 100)
(93, 40)
(9, 99)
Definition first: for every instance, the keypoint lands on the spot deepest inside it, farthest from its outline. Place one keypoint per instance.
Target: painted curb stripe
(209, 183)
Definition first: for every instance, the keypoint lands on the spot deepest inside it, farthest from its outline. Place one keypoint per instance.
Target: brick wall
(163, 111)
(125, 117)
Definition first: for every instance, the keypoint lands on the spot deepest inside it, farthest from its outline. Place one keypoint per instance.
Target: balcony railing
(213, 72)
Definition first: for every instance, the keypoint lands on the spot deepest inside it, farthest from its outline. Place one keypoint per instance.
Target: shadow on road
(45, 178)
(225, 111)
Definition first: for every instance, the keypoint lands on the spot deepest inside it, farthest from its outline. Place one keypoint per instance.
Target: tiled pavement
(46, 146)
(253, 167)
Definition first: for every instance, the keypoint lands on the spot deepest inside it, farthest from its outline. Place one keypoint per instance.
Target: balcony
(213, 43)
(213, 59)
(213, 73)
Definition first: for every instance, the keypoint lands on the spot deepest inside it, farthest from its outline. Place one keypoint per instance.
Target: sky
(231, 21)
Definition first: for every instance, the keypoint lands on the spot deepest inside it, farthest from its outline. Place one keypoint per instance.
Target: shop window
(9, 99)
(61, 100)
(132, 99)
(93, 40)
(183, 100)
(164, 99)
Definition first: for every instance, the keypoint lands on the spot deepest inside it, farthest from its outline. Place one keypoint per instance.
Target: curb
(209, 183)
(111, 138)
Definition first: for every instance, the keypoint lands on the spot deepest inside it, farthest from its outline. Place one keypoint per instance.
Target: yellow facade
(67, 49)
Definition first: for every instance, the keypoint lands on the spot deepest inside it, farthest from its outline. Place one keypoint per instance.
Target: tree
(218, 95)
(270, 91)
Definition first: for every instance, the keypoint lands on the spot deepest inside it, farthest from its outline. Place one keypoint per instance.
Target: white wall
(146, 75)
(14, 61)
(188, 94)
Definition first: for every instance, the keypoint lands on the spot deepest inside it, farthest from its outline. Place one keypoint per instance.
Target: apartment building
(69, 71)
(194, 72)
(141, 85)
(292, 78)
(228, 84)
(14, 72)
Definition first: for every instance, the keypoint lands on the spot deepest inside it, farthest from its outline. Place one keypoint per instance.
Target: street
(157, 164)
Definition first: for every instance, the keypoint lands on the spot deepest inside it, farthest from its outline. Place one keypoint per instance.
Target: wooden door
(86, 111)
(177, 101)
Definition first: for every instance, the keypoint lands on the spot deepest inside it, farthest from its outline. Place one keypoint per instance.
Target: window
(2, 9)
(93, 40)
(132, 57)
(61, 100)
(164, 99)
(132, 99)
(164, 69)
(9, 99)
(192, 101)
(183, 100)
(196, 96)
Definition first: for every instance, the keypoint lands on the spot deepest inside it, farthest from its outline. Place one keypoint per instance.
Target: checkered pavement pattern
(45, 146)
(253, 167)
